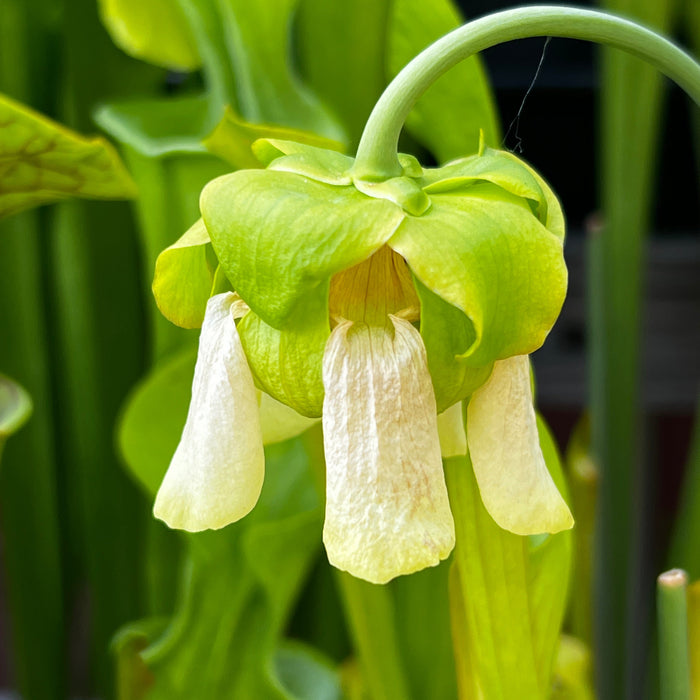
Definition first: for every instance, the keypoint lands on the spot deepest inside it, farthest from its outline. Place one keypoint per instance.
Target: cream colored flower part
(217, 471)
(453, 438)
(387, 511)
(280, 422)
(515, 485)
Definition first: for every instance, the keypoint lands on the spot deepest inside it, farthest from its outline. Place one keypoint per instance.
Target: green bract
(482, 237)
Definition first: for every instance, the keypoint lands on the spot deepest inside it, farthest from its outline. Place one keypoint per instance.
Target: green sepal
(42, 161)
(287, 365)
(220, 283)
(487, 254)
(155, 31)
(447, 334)
(280, 238)
(402, 191)
(499, 168)
(247, 145)
(319, 164)
(184, 277)
(554, 219)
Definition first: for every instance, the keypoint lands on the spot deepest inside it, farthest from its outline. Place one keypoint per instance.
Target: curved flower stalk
(374, 306)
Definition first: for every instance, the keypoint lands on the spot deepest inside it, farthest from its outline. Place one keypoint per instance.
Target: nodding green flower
(375, 306)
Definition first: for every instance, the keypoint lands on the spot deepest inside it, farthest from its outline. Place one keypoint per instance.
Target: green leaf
(450, 115)
(155, 31)
(184, 277)
(29, 495)
(583, 475)
(423, 632)
(280, 237)
(630, 118)
(159, 127)
(268, 90)
(15, 408)
(341, 50)
(508, 593)
(41, 162)
(305, 673)
(223, 641)
(486, 254)
(153, 419)
(164, 151)
(233, 140)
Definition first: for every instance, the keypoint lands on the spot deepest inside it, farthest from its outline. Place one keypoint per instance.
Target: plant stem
(674, 661)
(377, 153)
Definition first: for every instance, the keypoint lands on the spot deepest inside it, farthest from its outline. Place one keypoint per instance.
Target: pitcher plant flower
(374, 306)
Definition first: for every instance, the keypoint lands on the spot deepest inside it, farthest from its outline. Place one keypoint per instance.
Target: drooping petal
(515, 485)
(280, 422)
(217, 471)
(453, 439)
(387, 511)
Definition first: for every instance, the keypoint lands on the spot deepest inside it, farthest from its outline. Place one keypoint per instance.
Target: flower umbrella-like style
(374, 306)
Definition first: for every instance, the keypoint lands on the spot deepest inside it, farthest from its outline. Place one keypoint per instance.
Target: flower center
(373, 289)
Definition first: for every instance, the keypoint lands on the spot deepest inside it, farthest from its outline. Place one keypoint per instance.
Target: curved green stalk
(377, 153)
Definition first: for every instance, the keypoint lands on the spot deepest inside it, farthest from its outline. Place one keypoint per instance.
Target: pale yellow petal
(453, 438)
(217, 471)
(387, 511)
(514, 482)
(280, 422)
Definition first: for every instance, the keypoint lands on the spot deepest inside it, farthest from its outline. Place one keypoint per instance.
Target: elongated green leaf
(305, 673)
(28, 488)
(583, 477)
(631, 100)
(159, 127)
(15, 408)
(493, 575)
(268, 91)
(41, 161)
(508, 593)
(238, 589)
(154, 31)
(423, 632)
(448, 118)
(342, 53)
(694, 636)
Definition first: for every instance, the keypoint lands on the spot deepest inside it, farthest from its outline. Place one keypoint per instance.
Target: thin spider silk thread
(518, 147)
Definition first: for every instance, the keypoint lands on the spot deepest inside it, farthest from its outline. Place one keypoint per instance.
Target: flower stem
(674, 662)
(377, 153)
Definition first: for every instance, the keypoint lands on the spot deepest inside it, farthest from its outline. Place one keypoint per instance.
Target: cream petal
(453, 438)
(217, 471)
(515, 485)
(280, 422)
(387, 511)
